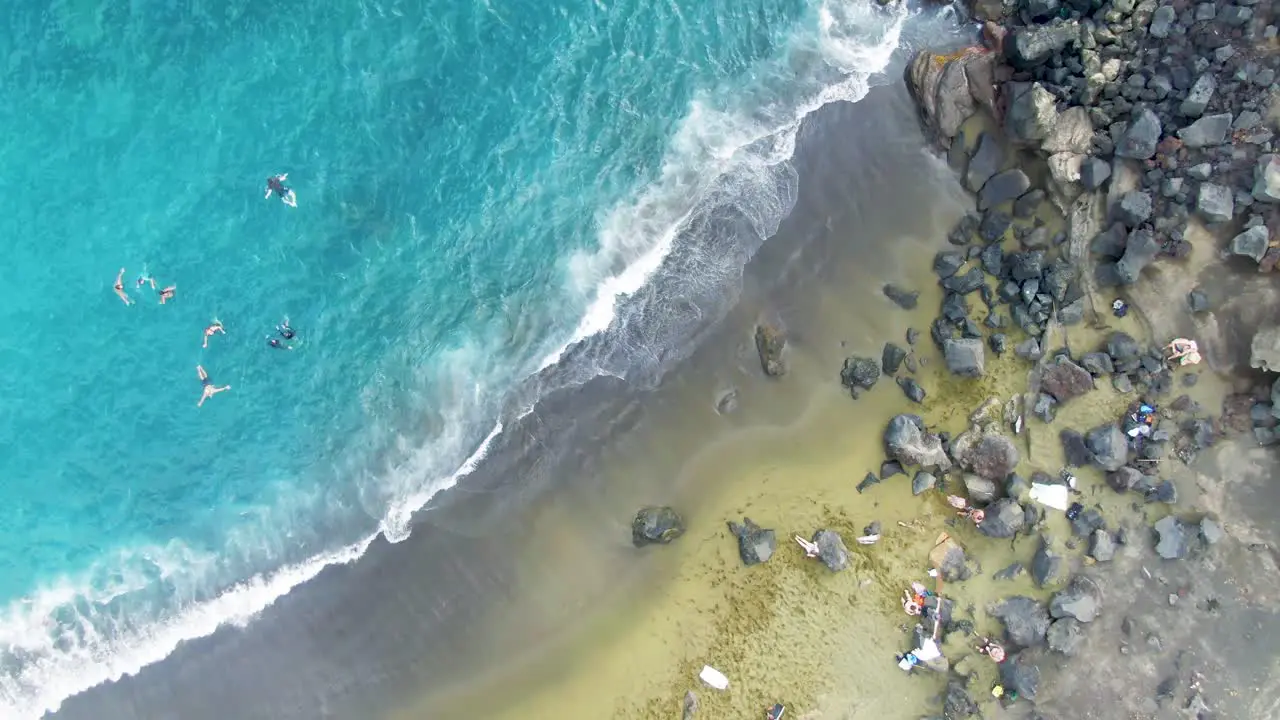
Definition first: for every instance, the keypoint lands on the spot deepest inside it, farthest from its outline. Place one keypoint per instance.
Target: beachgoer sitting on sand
(991, 649)
(1185, 351)
(811, 549)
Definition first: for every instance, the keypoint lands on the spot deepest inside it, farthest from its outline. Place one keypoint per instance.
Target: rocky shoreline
(1135, 121)
(1099, 141)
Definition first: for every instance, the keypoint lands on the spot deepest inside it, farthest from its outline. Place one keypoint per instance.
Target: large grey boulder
(1032, 115)
(948, 90)
(964, 357)
(1140, 139)
(1046, 563)
(1081, 599)
(1214, 203)
(1251, 243)
(1071, 132)
(755, 544)
(1266, 179)
(1208, 130)
(988, 455)
(1021, 675)
(1004, 518)
(1065, 380)
(1027, 47)
(656, 524)
(1025, 620)
(831, 550)
(1134, 208)
(988, 158)
(771, 343)
(1109, 446)
(1173, 542)
(1141, 248)
(1003, 187)
(909, 443)
(1198, 97)
(1065, 636)
(1265, 349)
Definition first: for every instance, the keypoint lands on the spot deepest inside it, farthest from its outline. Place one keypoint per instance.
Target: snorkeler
(167, 293)
(285, 331)
(277, 344)
(275, 184)
(145, 278)
(119, 288)
(216, 327)
(209, 388)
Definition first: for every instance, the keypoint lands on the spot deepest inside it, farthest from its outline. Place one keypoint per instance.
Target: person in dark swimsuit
(277, 344)
(285, 331)
(275, 184)
(209, 388)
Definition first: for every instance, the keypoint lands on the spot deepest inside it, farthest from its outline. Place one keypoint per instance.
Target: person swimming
(209, 388)
(275, 184)
(216, 327)
(119, 288)
(277, 344)
(285, 331)
(146, 277)
(167, 293)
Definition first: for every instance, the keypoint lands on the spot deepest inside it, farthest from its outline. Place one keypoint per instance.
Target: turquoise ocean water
(479, 184)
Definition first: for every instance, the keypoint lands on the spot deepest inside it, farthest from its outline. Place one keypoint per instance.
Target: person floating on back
(275, 184)
(277, 344)
(119, 288)
(209, 388)
(216, 327)
(285, 331)
(167, 293)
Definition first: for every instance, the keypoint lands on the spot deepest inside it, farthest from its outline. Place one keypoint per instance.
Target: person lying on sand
(1185, 351)
(209, 388)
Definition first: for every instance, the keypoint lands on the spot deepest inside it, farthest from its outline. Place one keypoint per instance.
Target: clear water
(478, 184)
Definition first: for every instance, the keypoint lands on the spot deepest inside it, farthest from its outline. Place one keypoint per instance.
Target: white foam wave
(70, 637)
(848, 43)
(55, 666)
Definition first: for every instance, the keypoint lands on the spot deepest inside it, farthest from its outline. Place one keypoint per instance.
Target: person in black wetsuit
(277, 344)
(285, 331)
(275, 184)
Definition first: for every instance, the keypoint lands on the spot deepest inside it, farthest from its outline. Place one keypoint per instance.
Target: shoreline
(1068, 570)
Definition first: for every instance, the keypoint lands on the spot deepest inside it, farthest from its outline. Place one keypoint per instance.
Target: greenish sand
(789, 630)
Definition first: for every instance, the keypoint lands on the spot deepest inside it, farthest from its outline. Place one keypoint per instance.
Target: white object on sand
(869, 539)
(928, 651)
(1054, 496)
(713, 677)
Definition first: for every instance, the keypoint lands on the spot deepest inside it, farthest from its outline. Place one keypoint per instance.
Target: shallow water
(477, 187)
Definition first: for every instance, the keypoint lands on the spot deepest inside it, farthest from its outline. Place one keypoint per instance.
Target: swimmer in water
(145, 278)
(167, 293)
(209, 388)
(285, 331)
(277, 344)
(216, 327)
(119, 288)
(275, 184)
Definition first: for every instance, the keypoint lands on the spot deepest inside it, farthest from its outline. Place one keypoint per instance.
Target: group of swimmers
(165, 293)
(275, 184)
